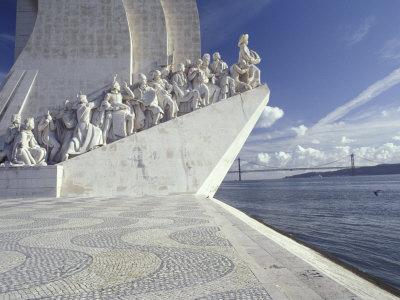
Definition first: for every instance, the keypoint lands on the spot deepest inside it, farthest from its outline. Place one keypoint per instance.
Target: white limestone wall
(183, 29)
(190, 154)
(26, 18)
(160, 30)
(148, 35)
(30, 182)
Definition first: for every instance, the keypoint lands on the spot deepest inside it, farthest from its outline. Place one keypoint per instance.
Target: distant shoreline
(384, 169)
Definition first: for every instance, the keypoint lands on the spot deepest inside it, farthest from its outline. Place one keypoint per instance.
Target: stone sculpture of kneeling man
(27, 151)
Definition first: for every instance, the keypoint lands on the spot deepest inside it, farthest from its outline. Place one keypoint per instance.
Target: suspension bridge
(325, 166)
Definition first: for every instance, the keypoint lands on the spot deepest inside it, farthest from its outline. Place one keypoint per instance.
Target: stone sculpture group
(84, 125)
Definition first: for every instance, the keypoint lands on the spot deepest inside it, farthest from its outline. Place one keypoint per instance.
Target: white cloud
(346, 140)
(309, 154)
(282, 157)
(343, 150)
(336, 156)
(387, 152)
(391, 50)
(264, 157)
(269, 116)
(396, 138)
(301, 130)
(373, 131)
(367, 95)
(353, 37)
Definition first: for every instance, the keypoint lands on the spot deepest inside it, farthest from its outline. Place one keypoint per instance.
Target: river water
(339, 215)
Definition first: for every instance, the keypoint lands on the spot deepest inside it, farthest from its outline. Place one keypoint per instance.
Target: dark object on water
(377, 192)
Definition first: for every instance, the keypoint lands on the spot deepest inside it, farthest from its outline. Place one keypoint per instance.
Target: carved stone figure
(26, 151)
(165, 74)
(199, 82)
(251, 58)
(86, 136)
(66, 129)
(163, 91)
(221, 71)
(118, 117)
(188, 66)
(239, 73)
(12, 132)
(47, 135)
(147, 95)
(188, 100)
(211, 79)
(137, 106)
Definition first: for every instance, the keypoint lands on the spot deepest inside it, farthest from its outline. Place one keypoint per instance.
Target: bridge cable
(321, 165)
(375, 162)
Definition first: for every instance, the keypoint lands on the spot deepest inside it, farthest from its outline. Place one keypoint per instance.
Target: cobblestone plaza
(118, 249)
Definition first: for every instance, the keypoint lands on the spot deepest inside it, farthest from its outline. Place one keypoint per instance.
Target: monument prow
(190, 154)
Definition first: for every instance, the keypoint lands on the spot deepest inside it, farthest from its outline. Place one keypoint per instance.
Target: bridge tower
(353, 168)
(240, 172)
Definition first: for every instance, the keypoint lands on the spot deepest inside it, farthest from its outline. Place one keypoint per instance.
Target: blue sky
(333, 68)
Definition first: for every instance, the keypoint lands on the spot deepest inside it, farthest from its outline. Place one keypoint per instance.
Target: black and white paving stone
(149, 248)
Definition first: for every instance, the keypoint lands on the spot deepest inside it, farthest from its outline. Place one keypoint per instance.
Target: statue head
(198, 63)
(244, 39)
(16, 119)
(180, 68)
(164, 72)
(53, 113)
(216, 56)
(156, 75)
(82, 99)
(116, 86)
(206, 59)
(29, 124)
(188, 62)
(142, 78)
(68, 105)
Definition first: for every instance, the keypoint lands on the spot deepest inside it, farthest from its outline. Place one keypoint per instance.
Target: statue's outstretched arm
(128, 90)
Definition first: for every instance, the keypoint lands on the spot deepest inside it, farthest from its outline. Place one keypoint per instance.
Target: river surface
(339, 215)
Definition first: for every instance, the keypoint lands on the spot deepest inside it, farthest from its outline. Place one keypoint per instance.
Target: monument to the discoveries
(114, 98)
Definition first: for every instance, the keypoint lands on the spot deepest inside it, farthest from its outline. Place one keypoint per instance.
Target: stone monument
(175, 130)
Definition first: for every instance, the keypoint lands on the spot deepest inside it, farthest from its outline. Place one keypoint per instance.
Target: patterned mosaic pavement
(150, 248)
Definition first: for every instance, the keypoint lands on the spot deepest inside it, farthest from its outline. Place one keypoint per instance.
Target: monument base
(31, 182)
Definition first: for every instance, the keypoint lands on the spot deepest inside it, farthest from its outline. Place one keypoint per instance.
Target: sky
(333, 68)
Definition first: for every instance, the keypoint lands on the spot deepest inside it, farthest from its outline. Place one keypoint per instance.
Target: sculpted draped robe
(86, 135)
